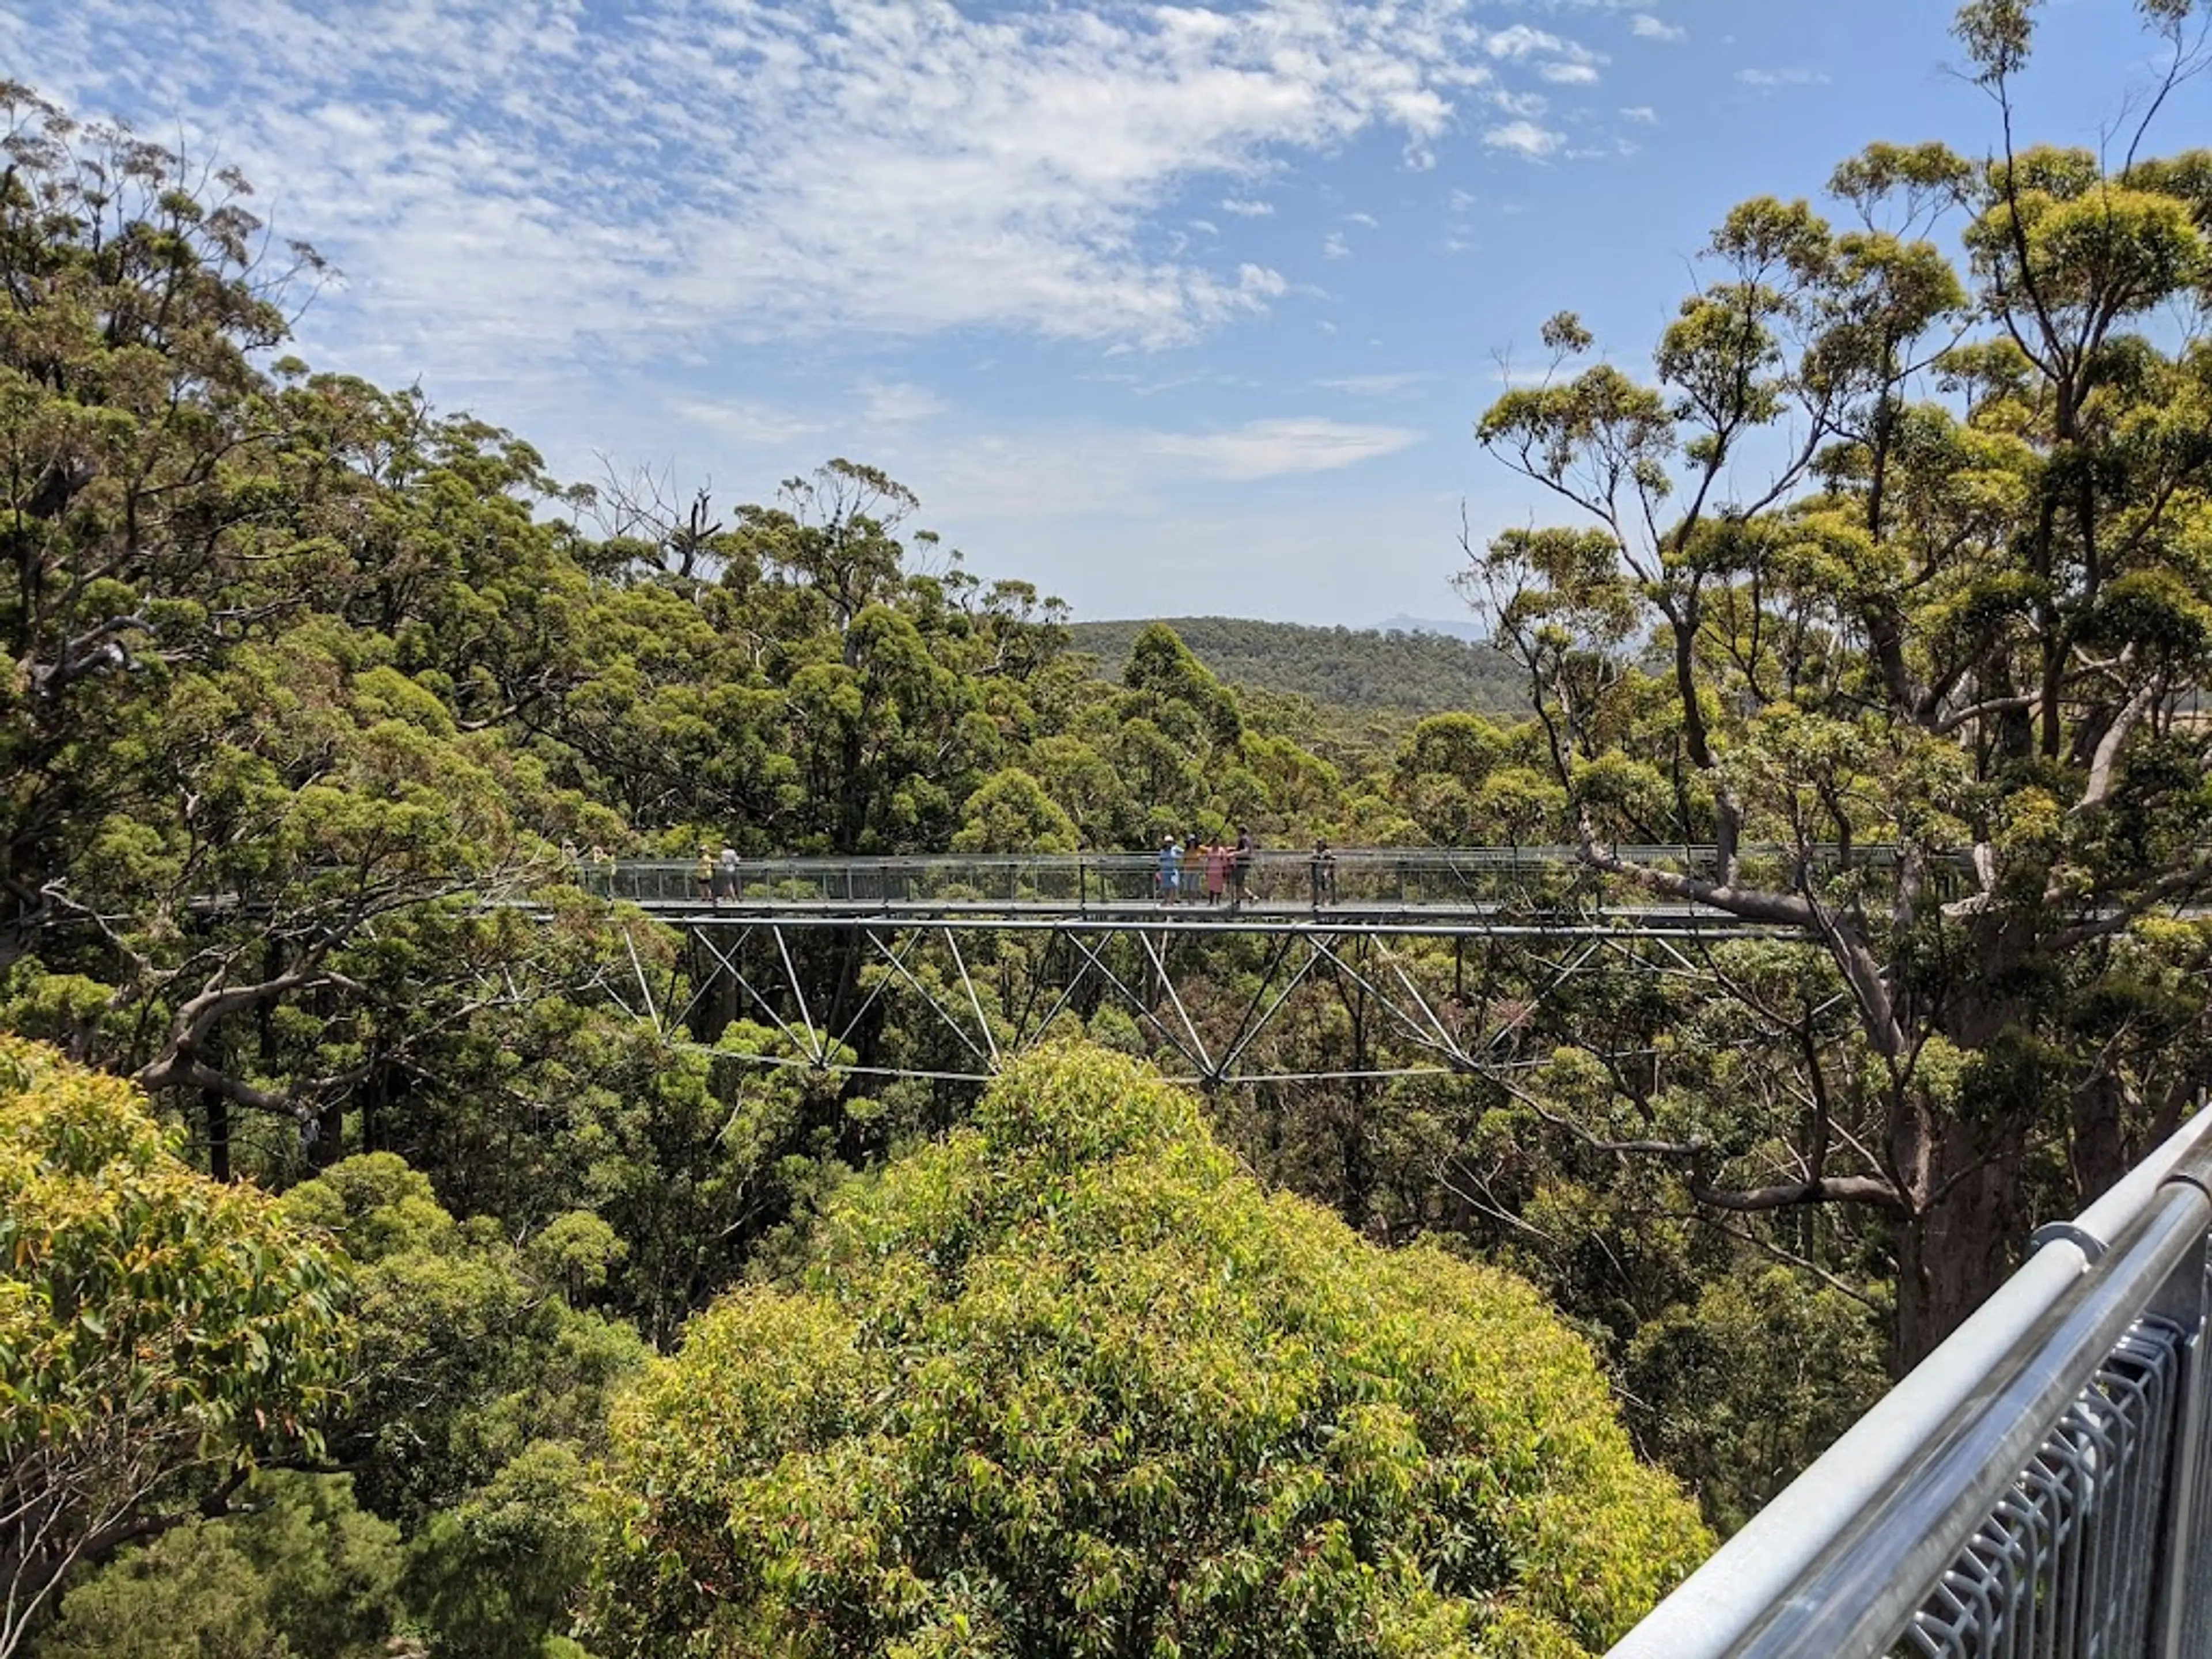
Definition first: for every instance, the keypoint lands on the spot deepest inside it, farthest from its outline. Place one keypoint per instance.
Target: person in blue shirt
(1171, 871)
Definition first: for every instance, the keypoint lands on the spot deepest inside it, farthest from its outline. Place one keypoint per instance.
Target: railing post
(2181, 1552)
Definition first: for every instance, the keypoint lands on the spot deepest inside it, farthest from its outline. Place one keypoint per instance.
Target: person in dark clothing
(1324, 869)
(1240, 867)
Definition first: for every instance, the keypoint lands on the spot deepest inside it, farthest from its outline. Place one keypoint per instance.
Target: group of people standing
(718, 875)
(1190, 869)
(1211, 868)
(595, 870)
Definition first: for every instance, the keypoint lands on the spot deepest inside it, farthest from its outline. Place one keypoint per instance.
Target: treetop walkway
(1546, 890)
(1429, 960)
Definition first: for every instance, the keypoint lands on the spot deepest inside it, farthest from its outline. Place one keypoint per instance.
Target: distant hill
(1418, 672)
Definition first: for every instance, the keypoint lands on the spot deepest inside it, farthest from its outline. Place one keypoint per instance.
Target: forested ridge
(1355, 669)
(386, 1266)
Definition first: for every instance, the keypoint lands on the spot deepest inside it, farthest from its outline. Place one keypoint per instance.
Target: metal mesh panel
(2064, 1567)
(2193, 1571)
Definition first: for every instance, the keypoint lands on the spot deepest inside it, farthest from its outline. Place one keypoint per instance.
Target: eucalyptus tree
(1904, 549)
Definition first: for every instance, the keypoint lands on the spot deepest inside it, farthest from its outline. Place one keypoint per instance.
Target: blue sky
(1170, 309)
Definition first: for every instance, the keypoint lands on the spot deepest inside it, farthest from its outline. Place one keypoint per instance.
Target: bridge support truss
(1216, 1001)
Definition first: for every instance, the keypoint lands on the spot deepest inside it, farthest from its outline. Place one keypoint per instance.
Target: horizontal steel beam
(1614, 924)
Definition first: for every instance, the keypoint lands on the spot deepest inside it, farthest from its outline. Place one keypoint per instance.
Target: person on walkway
(1324, 869)
(1171, 879)
(602, 863)
(703, 873)
(1240, 868)
(1217, 872)
(726, 872)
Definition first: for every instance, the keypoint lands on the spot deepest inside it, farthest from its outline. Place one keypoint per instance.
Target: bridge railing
(1076, 881)
(2041, 1485)
(1362, 877)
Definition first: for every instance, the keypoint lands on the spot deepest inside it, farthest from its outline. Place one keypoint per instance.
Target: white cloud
(1769, 79)
(1521, 41)
(511, 181)
(899, 402)
(1268, 449)
(1245, 208)
(1366, 220)
(1525, 138)
(1333, 247)
(1261, 282)
(1645, 26)
(1563, 62)
(1643, 112)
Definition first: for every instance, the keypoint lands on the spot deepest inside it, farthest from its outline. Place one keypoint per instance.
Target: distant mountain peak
(1459, 628)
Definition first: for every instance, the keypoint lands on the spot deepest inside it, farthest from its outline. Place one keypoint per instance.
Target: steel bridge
(1429, 960)
(1545, 890)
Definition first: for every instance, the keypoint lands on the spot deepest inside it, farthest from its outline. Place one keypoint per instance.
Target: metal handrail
(1474, 878)
(1848, 1558)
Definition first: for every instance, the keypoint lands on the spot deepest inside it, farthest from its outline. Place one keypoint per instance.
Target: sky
(1170, 310)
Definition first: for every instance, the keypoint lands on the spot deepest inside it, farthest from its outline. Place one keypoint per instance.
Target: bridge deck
(1258, 917)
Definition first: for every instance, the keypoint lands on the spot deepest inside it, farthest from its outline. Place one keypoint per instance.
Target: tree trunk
(1963, 1246)
(217, 1107)
(2099, 1148)
(1973, 1219)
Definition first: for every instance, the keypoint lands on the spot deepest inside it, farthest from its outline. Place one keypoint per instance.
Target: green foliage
(482, 1391)
(158, 1332)
(493, 1577)
(1012, 813)
(1739, 1388)
(470, 1352)
(298, 1573)
(1069, 1383)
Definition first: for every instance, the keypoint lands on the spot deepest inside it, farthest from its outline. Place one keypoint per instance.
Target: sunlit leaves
(1069, 1381)
(156, 1329)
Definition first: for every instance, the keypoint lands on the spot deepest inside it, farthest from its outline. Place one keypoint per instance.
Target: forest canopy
(487, 1267)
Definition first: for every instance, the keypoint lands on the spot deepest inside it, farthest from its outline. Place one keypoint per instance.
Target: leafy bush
(1071, 1384)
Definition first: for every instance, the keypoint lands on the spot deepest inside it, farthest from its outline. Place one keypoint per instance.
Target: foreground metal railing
(2039, 1485)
